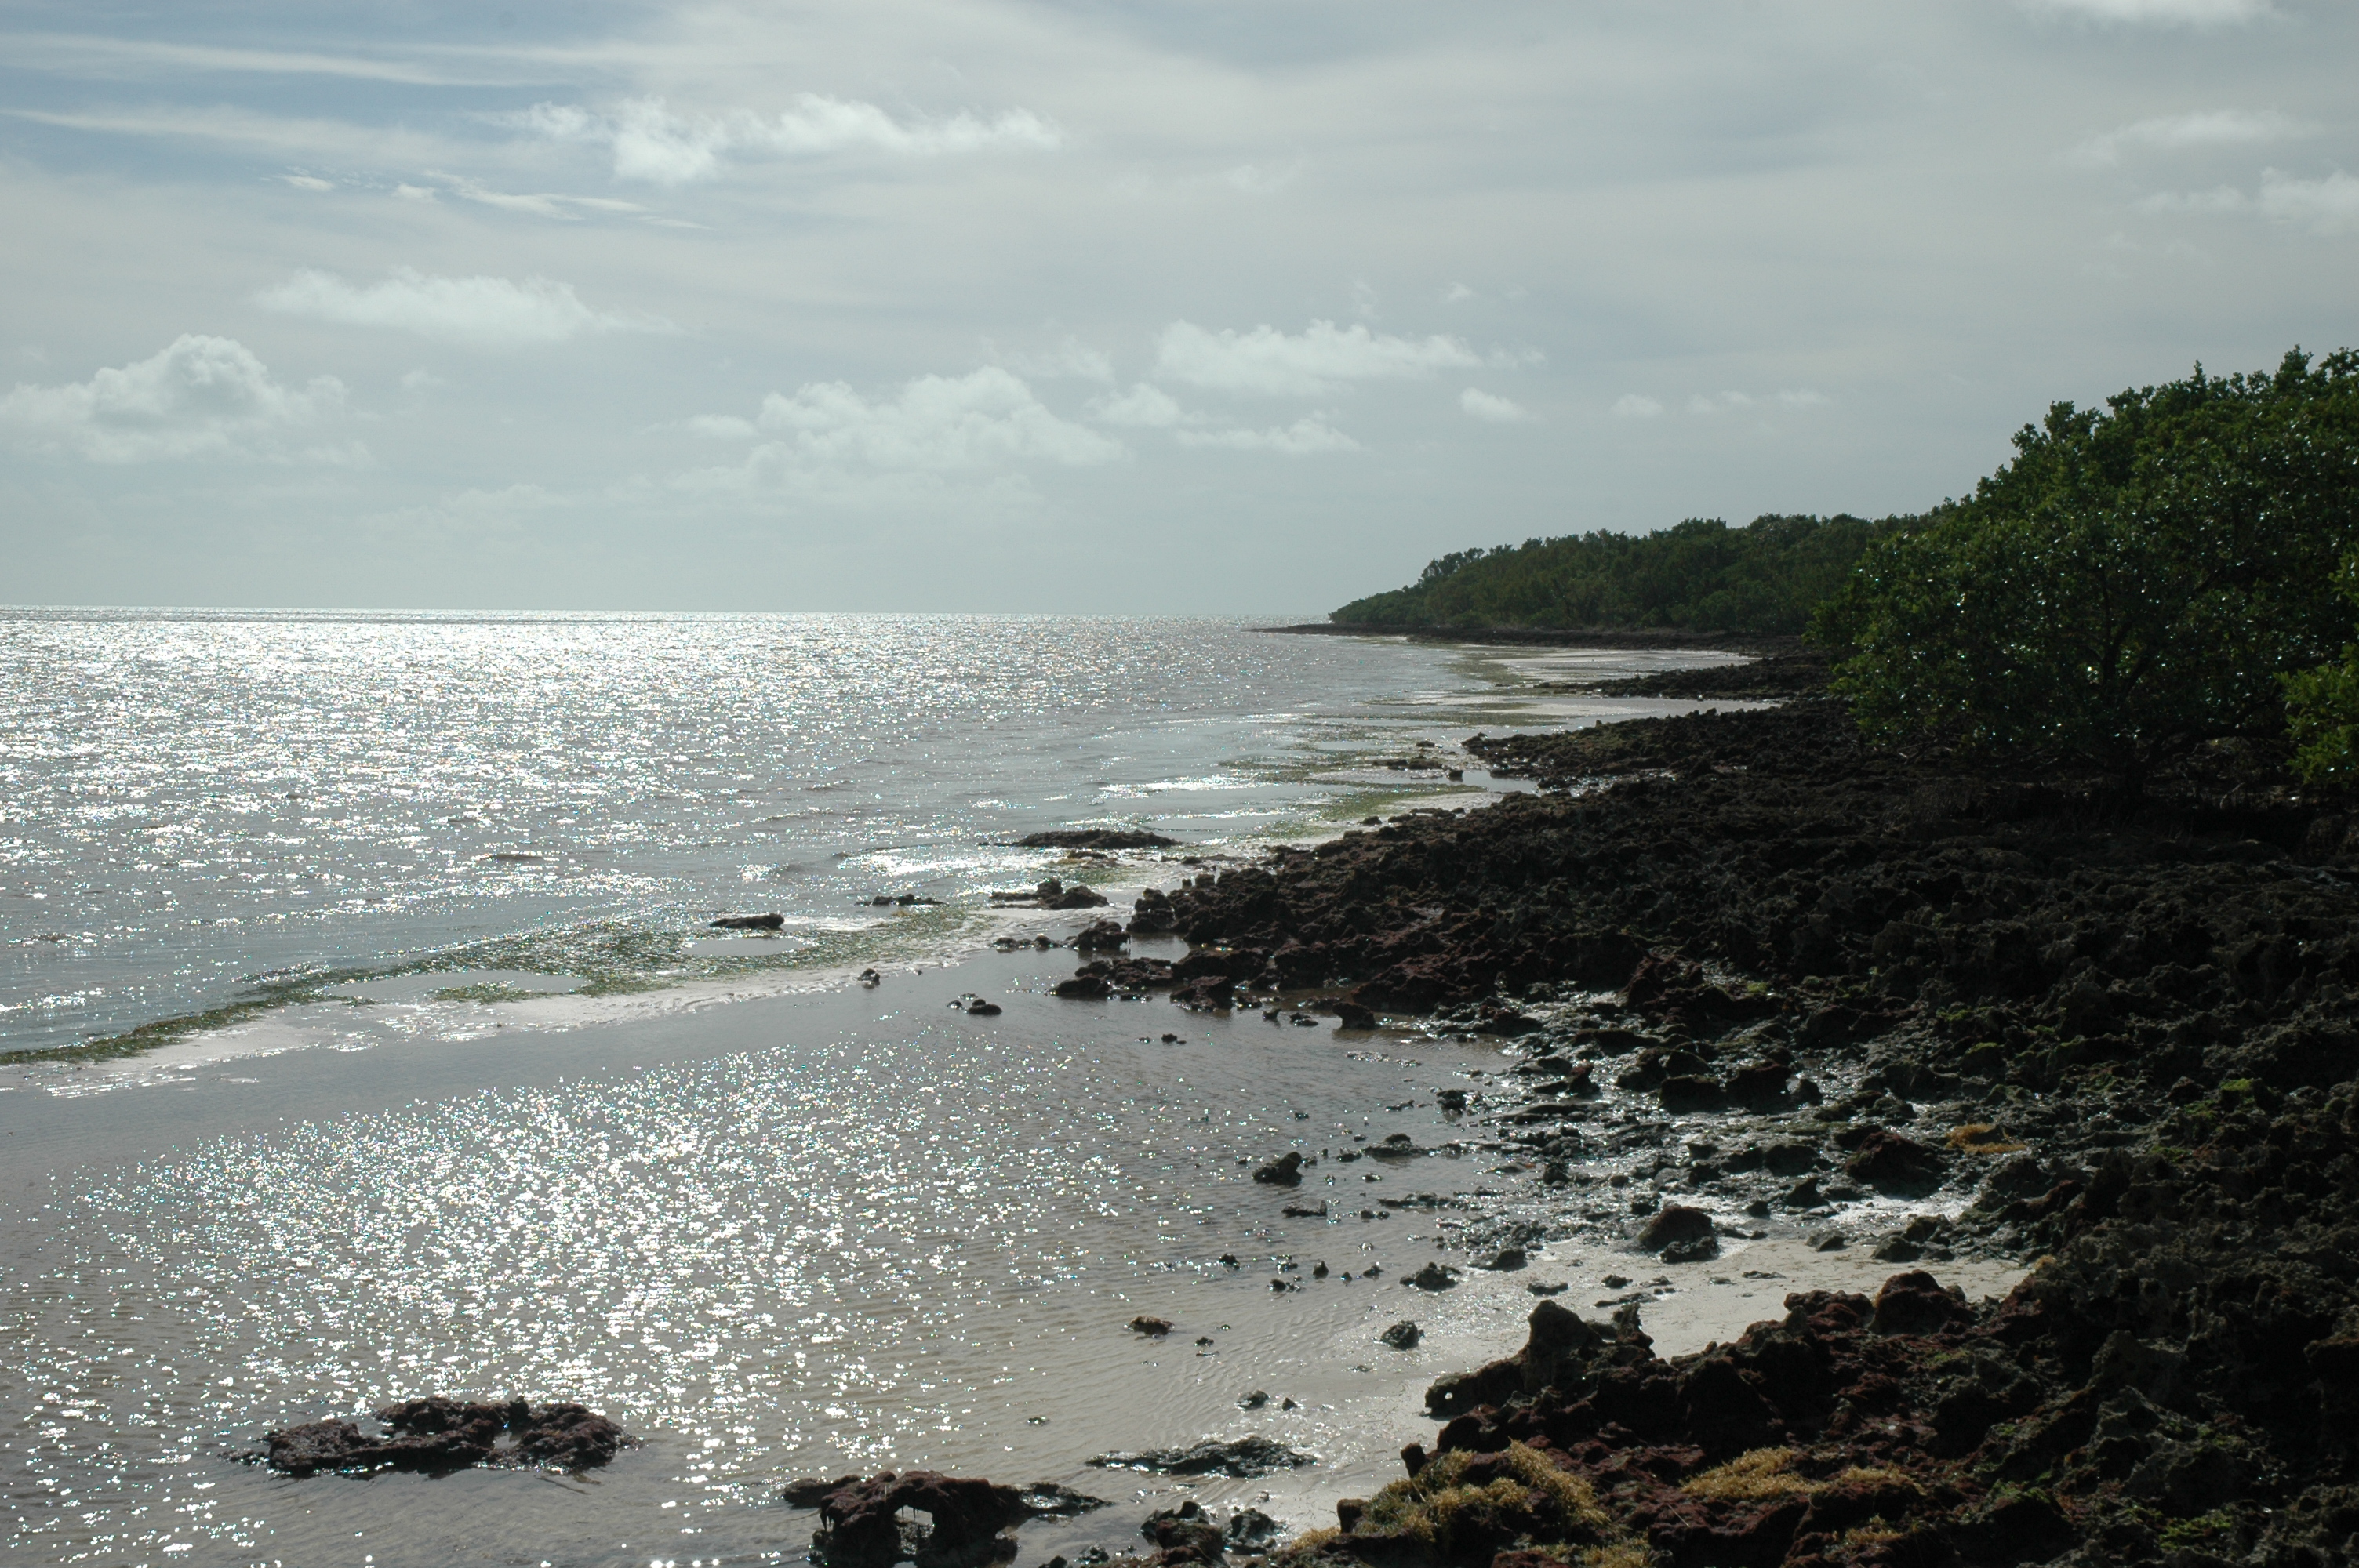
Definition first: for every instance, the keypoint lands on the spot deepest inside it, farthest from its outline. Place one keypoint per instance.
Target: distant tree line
(2177, 569)
(1700, 575)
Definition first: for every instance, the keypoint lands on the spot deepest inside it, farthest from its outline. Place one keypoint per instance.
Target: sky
(1228, 307)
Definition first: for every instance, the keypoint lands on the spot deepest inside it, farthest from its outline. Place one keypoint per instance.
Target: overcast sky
(1019, 305)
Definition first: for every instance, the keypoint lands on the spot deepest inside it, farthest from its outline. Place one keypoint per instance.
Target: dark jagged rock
(1183, 1534)
(1673, 1224)
(811, 1493)
(1402, 1336)
(1151, 915)
(1350, 1015)
(1095, 838)
(1153, 1327)
(1886, 1159)
(860, 1523)
(1243, 1458)
(438, 1435)
(1286, 1171)
(1101, 935)
(748, 922)
(1054, 896)
(2154, 996)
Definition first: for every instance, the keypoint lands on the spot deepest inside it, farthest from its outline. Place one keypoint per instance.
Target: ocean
(472, 1101)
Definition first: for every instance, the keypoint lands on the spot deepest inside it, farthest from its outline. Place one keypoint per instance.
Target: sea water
(842, 1231)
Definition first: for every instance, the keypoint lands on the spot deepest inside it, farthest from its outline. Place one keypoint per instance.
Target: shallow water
(837, 1233)
(191, 803)
(845, 1230)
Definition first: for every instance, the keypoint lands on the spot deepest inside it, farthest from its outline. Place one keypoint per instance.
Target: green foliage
(2322, 708)
(1701, 576)
(2138, 580)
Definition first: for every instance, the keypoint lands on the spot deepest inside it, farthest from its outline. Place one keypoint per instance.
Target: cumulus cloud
(203, 396)
(985, 418)
(1634, 405)
(1305, 437)
(491, 313)
(2165, 13)
(2329, 205)
(2209, 128)
(651, 143)
(1801, 397)
(1268, 363)
(1718, 402)
(1497, 410)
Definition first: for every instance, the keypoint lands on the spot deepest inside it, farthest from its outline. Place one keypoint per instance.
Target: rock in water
(1181, 1535)
(1434, 1277)
(1047, 1499)
(1153, 1327)
(748, 922)
(1243, 1458)
(1286, 1171)
(1402, 1336)
(438, 1435)
(1101, 935)
(1096, 839)
(860, 1524)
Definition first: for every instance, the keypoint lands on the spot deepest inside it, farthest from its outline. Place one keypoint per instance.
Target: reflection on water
(193, 799)
(898, 1246)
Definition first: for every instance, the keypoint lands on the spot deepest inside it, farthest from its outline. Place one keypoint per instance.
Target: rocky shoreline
(1767, 979)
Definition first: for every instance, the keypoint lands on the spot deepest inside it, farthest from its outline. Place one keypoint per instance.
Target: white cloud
(537, 205)
(1144, 406)
(981, 420)
(2329, 205)
(1268, 363)
(651, 143)
(203, 396)
(1305, 437)
(492, 312)
(421, 380)
(2211, 128)
(308, 182)
(2167, 13)
(1072, 358)
(1718, 403)
(1801, 397)
(1456, 292)
(720, 427)
(1631, 405)
(1497, 410)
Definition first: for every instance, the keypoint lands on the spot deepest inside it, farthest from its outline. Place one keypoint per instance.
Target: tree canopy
(1701, 576)
(2139, 579)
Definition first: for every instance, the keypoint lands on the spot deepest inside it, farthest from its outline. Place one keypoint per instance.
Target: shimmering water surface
(192, 803)
(798, 1234)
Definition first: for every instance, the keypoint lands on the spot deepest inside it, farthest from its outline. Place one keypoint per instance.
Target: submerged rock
(1095, 838)
(1243, 1458)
